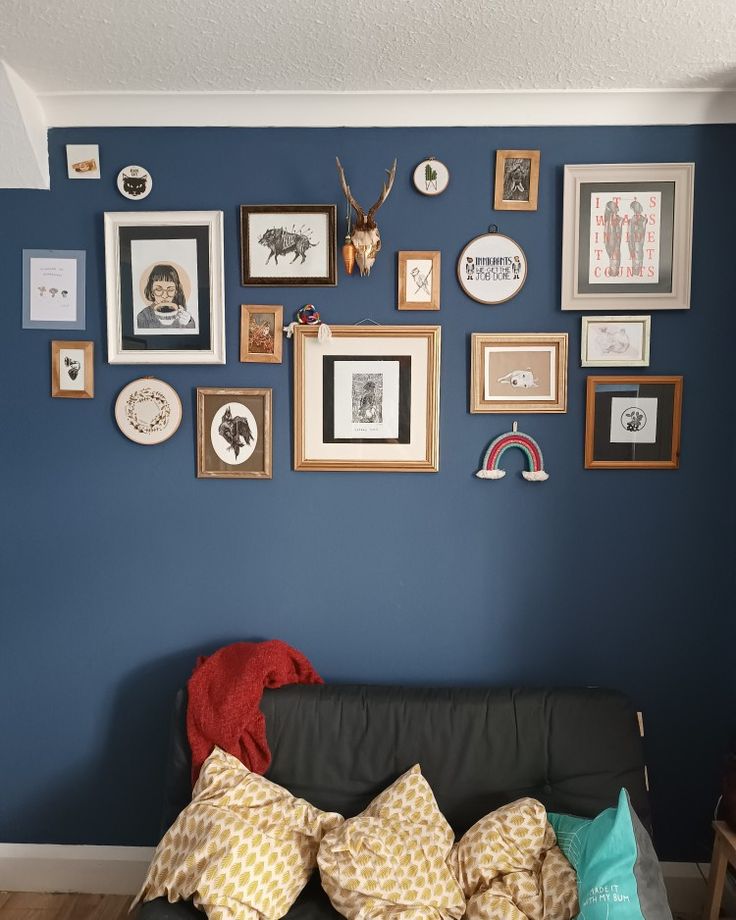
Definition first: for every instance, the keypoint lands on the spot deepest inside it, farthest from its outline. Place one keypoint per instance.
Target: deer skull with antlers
(365, 236)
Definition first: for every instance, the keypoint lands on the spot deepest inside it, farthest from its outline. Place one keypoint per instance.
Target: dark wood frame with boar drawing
(327, 280)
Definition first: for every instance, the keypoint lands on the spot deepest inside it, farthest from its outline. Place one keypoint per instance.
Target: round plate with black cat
(134, 182)
(148, 411)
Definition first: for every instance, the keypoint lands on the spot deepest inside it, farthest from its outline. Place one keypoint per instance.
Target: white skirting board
(84, 869)
(121, 870)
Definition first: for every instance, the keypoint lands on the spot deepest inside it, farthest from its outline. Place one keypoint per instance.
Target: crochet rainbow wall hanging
(504, 442)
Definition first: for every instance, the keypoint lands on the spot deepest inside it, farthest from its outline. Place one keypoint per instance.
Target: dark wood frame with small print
(247, 275)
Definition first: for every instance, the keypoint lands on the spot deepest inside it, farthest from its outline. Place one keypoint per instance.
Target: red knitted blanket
(225, 692)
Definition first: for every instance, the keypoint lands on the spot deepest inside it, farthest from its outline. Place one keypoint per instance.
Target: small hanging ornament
(348, 249)
(525, 443)
(308, 315)
(348, 255)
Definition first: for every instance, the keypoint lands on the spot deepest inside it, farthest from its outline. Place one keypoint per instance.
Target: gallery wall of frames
(226, 354)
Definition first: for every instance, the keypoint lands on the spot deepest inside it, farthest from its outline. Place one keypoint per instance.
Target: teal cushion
(618, 872)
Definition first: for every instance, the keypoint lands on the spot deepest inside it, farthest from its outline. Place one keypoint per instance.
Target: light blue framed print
(54, 289)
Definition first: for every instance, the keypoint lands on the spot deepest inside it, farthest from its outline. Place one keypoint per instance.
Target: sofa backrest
(337, 746)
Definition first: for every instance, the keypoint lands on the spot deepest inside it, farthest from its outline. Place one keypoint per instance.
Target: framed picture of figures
(165, 287)
(288, 244)
(517, 180)
(261, 333)
(234, 433)
(627, 236)
(633, 423)
(367, 399)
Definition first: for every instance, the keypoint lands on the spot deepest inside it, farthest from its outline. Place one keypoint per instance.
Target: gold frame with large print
(627, 236)
(518, 372)
(367, 399)
(232, 431)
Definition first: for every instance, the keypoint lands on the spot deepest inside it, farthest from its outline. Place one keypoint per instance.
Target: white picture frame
(604, 266)
(83, 161)
(165, 287)
(615, 341)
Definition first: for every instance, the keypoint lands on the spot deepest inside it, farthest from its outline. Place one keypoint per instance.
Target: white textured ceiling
(383, 45)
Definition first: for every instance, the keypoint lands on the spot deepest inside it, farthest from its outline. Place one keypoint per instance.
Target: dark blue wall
(119, 566)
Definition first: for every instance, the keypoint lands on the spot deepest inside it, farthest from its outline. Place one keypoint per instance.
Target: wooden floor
(21, 905)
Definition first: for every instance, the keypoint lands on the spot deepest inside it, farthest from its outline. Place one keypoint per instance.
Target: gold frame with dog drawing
(518, 372)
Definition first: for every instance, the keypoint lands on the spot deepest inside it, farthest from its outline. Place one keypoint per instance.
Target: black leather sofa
(337, 746)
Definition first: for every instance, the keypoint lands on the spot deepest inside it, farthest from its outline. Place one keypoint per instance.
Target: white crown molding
(390, 109)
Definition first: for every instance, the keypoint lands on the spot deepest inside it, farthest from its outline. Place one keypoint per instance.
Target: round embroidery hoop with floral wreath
(148, 411)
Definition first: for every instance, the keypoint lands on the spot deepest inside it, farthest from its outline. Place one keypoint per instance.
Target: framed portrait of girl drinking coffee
(164, 287)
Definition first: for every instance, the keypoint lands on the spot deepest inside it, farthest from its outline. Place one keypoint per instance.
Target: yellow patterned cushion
(510, 867)
(392, 858)
(243, 848)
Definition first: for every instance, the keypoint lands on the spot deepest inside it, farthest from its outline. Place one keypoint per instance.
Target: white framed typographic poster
(492, 268)
(164, 287)
(367, 399)
(627, 236)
